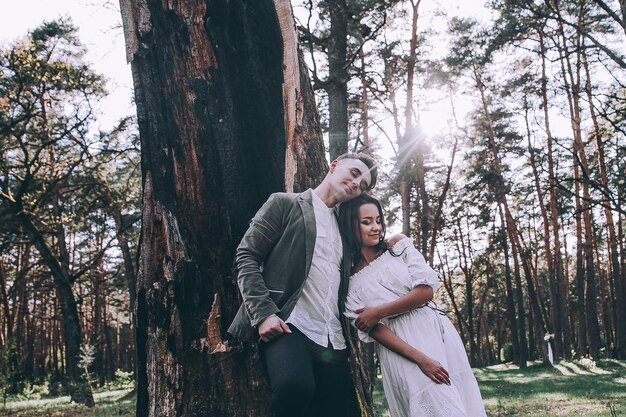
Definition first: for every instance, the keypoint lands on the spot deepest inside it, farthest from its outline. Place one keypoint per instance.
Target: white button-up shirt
(316, 313)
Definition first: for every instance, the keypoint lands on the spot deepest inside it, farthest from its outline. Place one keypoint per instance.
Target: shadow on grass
(568, 388)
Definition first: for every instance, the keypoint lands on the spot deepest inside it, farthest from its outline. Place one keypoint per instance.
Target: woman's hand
(368, 318)
(433, 369)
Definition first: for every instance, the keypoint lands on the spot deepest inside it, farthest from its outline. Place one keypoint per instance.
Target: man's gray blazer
(273, 261)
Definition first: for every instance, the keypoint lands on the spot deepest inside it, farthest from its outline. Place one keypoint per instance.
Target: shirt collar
(319, 204)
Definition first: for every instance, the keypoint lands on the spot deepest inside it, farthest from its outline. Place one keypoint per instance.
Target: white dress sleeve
(421, 273)
(353, 302)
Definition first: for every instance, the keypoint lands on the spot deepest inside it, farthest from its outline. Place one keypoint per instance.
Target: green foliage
(9, 368)
(468, 50)
(109, 404)
(64, 185)
(34, 391)
(123, 381)
(507, 352)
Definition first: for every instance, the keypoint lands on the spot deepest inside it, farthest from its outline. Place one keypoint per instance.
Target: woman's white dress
(409, 392)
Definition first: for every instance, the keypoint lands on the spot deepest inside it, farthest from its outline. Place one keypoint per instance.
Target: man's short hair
(367, 159)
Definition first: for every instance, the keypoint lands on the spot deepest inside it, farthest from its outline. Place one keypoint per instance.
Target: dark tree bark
(226, 116)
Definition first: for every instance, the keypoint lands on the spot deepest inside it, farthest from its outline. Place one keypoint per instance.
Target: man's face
(349, 178)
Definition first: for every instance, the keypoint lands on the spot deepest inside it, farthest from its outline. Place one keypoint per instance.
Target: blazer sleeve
(265, 230)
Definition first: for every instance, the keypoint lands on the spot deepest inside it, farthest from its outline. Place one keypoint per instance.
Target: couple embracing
(302, 264)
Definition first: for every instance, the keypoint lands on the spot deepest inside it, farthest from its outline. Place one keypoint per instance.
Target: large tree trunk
(226, 116)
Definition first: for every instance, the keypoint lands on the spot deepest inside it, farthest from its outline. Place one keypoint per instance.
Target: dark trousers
(306, 379)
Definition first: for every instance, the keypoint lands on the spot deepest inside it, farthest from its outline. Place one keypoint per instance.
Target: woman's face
(370, 227)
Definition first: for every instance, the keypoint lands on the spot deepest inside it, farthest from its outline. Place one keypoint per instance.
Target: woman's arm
(430, 367)
(369, 316)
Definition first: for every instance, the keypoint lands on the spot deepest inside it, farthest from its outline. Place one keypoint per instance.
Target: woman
(423, 361)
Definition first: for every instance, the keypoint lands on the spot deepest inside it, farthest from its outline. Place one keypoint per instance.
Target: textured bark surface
(226, 116)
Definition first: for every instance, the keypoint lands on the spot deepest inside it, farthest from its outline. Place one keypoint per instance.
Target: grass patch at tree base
(108, 404)
(584, 389)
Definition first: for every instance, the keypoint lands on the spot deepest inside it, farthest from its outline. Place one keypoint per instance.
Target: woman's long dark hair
(350, 227)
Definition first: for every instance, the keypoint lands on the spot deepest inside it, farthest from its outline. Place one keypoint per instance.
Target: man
(290, 269)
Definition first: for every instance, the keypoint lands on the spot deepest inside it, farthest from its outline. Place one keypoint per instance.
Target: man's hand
(272, 327)
(368, 318)
(434, 370)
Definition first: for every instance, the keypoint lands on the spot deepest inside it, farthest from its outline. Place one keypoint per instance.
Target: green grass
(108, 403)
(567, 389)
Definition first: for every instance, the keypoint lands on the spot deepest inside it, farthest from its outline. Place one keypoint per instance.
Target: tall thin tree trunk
(560, 322)
(615, 267)
(448, 285)
(365, 138)
(440, 203)
(123, 241)
(511, 227)
(510, 297)
(547, 248)
(572, 80)
(582, 345)
(407, 142)
(469, 290)
(337, 84)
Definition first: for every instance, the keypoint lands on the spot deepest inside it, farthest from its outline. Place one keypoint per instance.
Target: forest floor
(566, 389)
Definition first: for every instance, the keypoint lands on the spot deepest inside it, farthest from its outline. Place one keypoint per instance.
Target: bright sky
(100, 30)
(99, 24)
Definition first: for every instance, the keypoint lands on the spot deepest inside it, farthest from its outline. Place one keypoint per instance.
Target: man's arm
(431, 368)
(265, 230)
(369, 316)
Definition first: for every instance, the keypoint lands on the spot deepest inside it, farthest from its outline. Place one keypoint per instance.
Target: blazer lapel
(305, 200)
